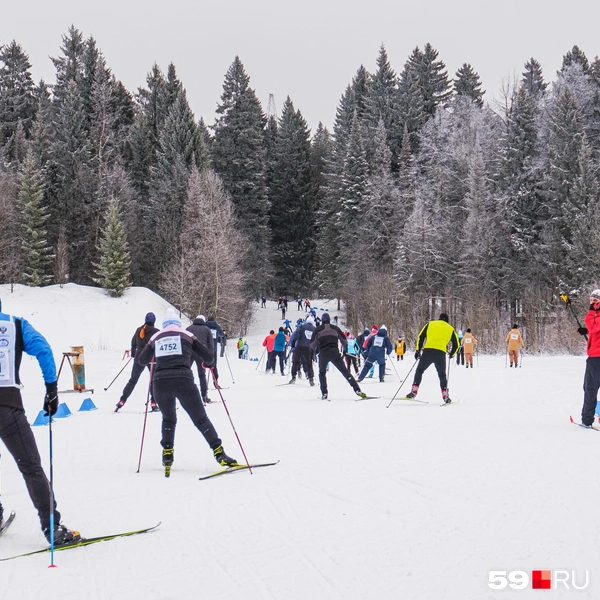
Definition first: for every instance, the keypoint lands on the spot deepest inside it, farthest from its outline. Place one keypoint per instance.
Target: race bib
(514, 336)
(7, 349)
(378, 341)
(168, 346)
(214, 333)
(468, 340)
(308, 333)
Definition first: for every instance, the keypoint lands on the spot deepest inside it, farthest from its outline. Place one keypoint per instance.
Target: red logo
(541, 580)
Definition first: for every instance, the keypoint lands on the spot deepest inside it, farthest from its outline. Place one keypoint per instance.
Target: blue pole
(51, 494)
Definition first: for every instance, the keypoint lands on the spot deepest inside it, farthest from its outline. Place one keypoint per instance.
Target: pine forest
(422, 197)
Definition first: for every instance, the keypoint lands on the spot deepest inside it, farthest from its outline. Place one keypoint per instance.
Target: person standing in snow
(377, 347)
(300, 340)
(17, 336)
(217, 334)
(240, 347)
(203, 332)
(460, 355)
(514, 340)
(326, 340)
(468, 343)
(351, 352)
(268, 343)
(431, 346)
(138, 343)
(400, 349)
(173, 350)
(591, 379)
(279, 345)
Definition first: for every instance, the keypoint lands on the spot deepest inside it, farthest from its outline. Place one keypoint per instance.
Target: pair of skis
(76, 544)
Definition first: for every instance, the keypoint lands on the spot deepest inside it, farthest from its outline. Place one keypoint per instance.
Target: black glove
(417, 355)
(582, 331)
(51, 399)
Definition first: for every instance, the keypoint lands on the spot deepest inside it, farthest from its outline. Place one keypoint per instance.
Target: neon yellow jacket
(436, 335)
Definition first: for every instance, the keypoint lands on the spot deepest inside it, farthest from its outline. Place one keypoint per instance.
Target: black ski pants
(431, 356)
(18, 438)
(331, 355)
(202, 378)
(169, 389)
(591, 385)
(136, 371)
(300, 353)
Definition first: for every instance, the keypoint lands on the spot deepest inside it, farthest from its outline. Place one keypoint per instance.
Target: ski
(6, 524)
(282, 384)
(366, 398)
(84, 542)
(237, 468)
(412, 400)
(449, 403)
(584, 426)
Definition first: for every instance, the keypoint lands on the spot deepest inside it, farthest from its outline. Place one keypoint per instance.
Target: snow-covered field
(414, 501)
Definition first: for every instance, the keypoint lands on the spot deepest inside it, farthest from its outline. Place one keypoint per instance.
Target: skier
(245, 349)
(301, 339)
(217, 334)
(18, 336)
(432, 342)
(138, 342)
(240, 347)
(460, 355)
(299, 301)
(591, 379)
(263, 302)
(279, 344)
(223, 343)
(377, 347)
(400, 349)
(351, 352)
(203, 332)
(268, 343)
(173, 350)
(468, 343)
(326, 340)
(514, 340)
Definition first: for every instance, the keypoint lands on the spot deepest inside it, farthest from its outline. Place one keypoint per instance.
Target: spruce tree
(36, 251)
(113, 267)
(468, 83)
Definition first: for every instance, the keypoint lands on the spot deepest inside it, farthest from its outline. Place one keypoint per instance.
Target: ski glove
(51, 399)
(417, 355)
(582, 331)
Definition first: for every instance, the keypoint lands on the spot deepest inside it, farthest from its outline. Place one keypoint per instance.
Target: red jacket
(592, 322)
(269, 342)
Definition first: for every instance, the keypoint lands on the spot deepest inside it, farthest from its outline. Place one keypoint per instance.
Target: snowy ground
(413, 501)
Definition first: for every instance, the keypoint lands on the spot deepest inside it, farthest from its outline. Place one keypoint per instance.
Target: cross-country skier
(326, 340)
(351, 352)
(591, 379)
(468, 342)
(400, 349)
(218, 335)
(173, 350)
(432, 342)
(377, 347)
(514, 340)
(18, 336)
(301, 338)
(204, 334)
(138, 342)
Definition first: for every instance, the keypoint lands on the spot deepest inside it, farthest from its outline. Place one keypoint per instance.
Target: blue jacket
(378, 346)
(280, 342)
(302, 336)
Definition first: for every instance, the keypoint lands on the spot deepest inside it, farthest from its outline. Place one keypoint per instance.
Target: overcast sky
(309, 49)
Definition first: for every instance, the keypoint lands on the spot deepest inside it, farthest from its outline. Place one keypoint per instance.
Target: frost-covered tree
(36, 251)
(113, 267)
(468, 83)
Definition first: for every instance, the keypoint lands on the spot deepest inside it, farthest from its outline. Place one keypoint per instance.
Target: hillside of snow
(413, 501)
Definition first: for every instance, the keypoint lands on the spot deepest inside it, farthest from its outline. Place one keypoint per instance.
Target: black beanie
(444, 317)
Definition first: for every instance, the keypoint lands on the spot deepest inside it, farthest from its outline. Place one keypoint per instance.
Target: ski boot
(292, 381)
(223, 459)
(206, 400)
(120, 404)
(154, 407)
(62, 535)
(446, 396)
(167, 459)
(312, 382)
(413, 392)
(324, 397)
(360, 394)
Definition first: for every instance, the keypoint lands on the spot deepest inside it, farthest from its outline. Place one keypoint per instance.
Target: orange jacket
(514, 339)
(468, 343)
(269, 342)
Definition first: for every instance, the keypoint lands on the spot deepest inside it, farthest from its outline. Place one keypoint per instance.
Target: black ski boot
(223, 459)
(120, 404)
(62, 535)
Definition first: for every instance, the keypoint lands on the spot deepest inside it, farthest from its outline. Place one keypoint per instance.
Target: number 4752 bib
(168, 346)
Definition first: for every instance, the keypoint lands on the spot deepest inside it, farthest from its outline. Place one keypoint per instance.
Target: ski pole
(396, 370)
(394, 396)
(51, 492)
(145, 416)
(230, 371)
(230, 420)
(106, 388)
(568, 306)
(260, 359)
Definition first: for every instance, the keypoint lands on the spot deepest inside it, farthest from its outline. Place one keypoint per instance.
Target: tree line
(422, 198)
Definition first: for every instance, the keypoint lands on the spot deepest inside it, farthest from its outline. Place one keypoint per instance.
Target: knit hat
(310, 320)
(171, 318)
(201, 318)
(325, 318)
(150, 318)
(383, 327)
(444, 317)
(595, 295)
